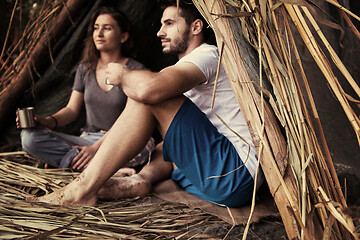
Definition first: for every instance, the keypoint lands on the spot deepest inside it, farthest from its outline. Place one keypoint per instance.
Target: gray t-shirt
(102, 108)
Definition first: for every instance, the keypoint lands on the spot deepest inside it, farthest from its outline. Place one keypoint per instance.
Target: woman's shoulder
(82, 73)
(134, 64)
(83, 66)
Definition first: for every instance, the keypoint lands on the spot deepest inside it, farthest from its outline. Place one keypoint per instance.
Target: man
(212, 160)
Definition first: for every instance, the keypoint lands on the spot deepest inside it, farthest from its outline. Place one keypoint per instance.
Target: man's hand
(115, 73)
(82, 160)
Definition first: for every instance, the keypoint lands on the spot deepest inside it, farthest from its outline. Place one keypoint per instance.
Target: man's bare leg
(126, 138)
(138, 184)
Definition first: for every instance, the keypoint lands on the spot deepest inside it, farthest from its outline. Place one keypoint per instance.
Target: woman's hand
(17, 121)
(82, 160)
(44, 122)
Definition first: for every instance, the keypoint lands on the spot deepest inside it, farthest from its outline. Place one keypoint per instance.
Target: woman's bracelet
(56, 122)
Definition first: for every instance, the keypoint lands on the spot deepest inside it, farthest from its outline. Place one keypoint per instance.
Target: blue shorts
(208, 164)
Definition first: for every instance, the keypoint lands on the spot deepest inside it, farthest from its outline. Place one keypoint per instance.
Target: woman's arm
(65, 115)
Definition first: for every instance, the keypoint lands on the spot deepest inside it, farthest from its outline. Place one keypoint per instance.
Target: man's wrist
(124, 71)
(54, 120)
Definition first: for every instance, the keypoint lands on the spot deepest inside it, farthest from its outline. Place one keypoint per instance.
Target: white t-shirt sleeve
(205, 58)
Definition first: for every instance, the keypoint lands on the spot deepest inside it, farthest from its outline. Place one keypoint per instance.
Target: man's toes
(125, 172)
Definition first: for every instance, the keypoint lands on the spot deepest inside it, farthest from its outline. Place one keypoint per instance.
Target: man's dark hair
(190, 13)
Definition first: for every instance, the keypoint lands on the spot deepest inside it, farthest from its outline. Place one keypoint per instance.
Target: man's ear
(124, 37)
(197, 26)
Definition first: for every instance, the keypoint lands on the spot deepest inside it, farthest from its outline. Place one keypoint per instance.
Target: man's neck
(190, 48)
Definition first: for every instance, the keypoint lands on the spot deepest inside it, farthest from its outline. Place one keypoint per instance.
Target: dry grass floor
(138, 218)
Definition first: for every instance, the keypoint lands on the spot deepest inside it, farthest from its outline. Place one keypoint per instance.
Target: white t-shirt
(206, 58)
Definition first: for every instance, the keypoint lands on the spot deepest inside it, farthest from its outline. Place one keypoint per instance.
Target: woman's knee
(30, 139)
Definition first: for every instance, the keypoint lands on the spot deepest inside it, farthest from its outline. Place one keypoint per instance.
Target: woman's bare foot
(125, 187)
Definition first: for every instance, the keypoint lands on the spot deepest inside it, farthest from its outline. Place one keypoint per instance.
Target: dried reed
(18, 52)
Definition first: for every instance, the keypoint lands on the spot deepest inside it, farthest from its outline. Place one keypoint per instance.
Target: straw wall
(309, 196)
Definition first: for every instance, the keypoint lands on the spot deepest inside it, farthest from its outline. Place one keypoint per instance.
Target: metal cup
(26, 117)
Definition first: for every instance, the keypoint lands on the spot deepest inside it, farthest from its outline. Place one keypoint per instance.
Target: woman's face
(107, 34)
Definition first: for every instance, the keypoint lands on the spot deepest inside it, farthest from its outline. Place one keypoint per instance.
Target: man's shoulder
(205, 58)
(204, 52)
(206, 48)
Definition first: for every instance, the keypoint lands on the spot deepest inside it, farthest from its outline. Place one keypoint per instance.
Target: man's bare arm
(149, 87)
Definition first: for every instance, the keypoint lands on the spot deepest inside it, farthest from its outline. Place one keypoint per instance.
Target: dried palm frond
(19, 52)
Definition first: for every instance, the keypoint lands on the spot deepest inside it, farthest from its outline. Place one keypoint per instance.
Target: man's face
(174, 32)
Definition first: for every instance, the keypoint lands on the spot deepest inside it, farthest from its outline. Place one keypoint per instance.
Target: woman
(107, 41)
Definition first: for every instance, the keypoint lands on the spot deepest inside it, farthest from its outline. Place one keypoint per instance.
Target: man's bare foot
(125, 172)
(66, 196)
(125, 187)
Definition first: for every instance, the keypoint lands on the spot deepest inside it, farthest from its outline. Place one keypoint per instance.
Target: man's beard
(179, 45)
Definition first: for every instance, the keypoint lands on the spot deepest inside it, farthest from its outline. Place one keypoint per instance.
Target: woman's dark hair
(190, 13)
(91, 54)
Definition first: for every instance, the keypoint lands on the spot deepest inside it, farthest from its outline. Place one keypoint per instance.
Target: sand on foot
(125, 187)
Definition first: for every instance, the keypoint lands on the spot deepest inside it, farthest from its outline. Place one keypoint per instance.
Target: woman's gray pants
(56, 149)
